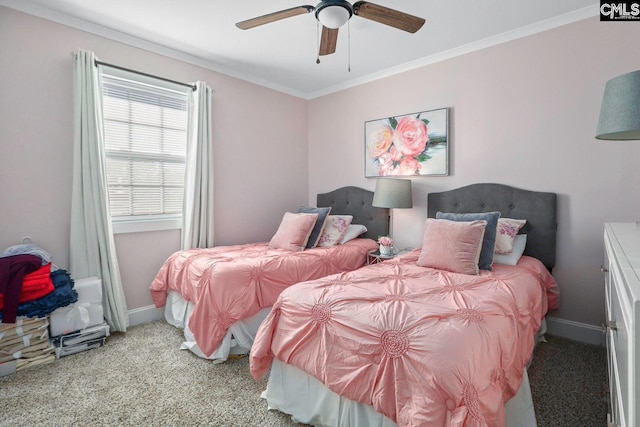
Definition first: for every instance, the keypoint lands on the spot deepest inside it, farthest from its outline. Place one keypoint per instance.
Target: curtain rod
(193, 87)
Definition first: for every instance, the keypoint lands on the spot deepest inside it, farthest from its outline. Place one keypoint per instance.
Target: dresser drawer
(618, 347)
(622, 308)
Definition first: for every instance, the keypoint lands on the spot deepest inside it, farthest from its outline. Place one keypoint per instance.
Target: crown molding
(109, 33)
(538, 27)
(150, 46)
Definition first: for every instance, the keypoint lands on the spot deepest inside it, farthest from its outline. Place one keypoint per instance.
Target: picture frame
(415, 144)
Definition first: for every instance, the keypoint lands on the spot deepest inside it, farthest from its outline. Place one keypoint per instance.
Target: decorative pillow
(320, 223)
(506, 233)
(452, 245)
(519, 244)
(489, 242)
(335, 228)
(352, 232)
(294, 231)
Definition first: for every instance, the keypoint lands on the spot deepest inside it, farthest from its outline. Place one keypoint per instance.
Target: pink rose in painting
(408, 166)
(395, 154)
(380, 139)
(410, 136)
(386, 165)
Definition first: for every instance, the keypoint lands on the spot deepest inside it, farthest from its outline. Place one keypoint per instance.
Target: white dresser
(622, 292)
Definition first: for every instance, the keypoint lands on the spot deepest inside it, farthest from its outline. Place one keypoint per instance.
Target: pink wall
(522, 113)
(260, 170)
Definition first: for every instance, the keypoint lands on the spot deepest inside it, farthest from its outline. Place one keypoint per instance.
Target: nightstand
(374, 257)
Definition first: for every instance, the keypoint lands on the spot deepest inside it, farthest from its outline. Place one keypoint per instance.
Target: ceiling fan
(333, 14)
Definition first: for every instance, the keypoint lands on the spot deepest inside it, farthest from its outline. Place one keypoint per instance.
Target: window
(145, 127)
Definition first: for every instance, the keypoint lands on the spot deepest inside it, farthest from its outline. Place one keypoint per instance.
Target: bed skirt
(237, 341)
(308, 401)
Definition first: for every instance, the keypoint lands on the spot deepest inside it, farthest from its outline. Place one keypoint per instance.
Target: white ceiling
(282, 55)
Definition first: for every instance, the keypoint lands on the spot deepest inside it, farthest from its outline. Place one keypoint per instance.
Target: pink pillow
(452, 245)
(506, 234)
(334, 229)
(294, 231)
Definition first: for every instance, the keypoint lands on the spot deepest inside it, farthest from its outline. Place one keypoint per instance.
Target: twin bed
(402, 343)
(220, 296)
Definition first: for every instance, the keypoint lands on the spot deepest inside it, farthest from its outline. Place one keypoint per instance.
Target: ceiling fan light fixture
(333, 14)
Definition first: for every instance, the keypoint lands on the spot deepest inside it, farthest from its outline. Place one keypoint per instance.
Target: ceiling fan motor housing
(333, 13)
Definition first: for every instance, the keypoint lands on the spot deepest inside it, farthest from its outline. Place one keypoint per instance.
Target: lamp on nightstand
(620, 110)
(392, 193)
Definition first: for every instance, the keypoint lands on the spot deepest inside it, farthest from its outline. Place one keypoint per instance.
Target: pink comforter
(424, 347)
(231, 283)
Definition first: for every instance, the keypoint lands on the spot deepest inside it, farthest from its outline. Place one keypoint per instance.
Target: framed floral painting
(410, 145)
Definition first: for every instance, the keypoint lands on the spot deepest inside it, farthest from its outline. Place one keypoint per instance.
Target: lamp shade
(620, 110)
(393, 193)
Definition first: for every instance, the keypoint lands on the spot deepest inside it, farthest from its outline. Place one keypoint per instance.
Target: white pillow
(519, 244)
(334, 229)
(353, 231)
(506, 233)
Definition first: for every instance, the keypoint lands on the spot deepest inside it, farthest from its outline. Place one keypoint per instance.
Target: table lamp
(392, 193)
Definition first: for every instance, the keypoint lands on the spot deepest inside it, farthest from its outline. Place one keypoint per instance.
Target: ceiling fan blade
(391, 17)
(328, 41)
(275, 16)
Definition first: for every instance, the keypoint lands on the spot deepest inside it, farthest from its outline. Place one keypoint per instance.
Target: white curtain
(92, 246)
(197, 211)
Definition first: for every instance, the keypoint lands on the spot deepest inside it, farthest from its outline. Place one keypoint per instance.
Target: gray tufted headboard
(357, 202)
(538, 208)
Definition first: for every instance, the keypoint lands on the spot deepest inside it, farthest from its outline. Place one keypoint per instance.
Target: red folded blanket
(35, 285)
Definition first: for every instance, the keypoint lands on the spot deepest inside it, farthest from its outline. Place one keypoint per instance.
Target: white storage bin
(84, 313)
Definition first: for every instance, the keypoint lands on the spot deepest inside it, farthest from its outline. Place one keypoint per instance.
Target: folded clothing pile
(34, 285)
(30, 285)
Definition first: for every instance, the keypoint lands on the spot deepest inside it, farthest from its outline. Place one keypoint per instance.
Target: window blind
(145, 129)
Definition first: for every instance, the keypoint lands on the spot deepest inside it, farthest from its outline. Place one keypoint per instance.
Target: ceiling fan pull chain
(318, 41)
(349, 45)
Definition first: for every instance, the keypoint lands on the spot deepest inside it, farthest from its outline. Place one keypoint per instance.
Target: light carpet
(142, 378)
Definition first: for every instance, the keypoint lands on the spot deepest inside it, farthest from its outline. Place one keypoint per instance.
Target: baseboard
(576, 331)
(146, 314)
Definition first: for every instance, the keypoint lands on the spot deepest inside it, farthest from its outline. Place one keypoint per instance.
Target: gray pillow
(317, 229)
(489, 240)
